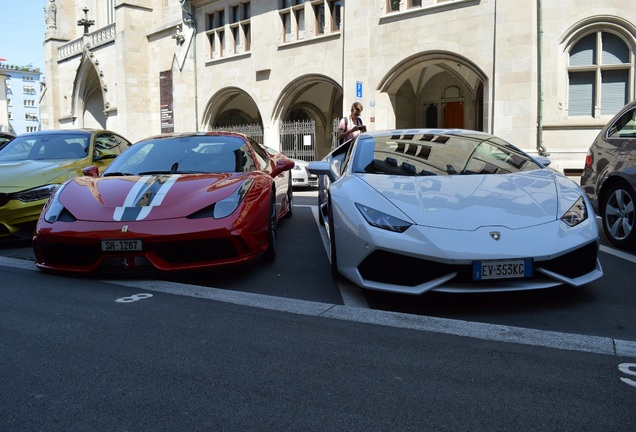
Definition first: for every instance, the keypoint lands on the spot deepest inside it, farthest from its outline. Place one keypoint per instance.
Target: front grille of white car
(396, 269)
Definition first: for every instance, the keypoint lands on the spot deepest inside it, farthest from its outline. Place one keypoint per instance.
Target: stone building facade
(545, 75)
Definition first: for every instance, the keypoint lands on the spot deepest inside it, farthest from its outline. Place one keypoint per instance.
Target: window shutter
(613, 91)
(584, 51)
(614, 50)
(581, 94)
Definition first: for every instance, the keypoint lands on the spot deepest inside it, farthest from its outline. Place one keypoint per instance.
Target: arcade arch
(311, 98)
(436, 90)
(231, 106)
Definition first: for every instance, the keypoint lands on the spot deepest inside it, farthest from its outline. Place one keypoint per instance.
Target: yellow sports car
(32, 165)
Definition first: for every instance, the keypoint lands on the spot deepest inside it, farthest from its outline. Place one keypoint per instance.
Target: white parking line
(618, 253)
(491, 332)
(351, 293)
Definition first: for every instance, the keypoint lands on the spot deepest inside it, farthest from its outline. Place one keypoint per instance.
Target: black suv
(609, 177)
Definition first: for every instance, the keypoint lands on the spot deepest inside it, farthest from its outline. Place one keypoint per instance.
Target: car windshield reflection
(432, 154)
(183, 155)
(45, 147)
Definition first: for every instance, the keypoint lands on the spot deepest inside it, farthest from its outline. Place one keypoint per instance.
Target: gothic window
(319, 13)
(229, 31)
(334, 8)
(300, 23)
(304, 19)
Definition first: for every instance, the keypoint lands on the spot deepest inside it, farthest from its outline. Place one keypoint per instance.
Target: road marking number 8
(133, 298)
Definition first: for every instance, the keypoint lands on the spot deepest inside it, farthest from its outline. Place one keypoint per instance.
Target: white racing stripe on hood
(134, 208)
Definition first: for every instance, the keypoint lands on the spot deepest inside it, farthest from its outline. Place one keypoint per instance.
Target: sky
(22, 32)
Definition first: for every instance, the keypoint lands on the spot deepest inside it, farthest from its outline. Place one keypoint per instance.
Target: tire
(272, 233)
(290, 200)
(321, 217)
(333, 255)
(619, 215)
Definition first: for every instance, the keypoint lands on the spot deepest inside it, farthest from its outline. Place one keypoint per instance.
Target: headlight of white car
(382, 220)
(576, 214)
(226, 206)
(35, 194)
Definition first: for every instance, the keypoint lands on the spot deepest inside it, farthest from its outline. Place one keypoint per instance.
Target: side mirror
(543, 160)
(91, 171)
(99, 155)
(321, 168)
(282, 165)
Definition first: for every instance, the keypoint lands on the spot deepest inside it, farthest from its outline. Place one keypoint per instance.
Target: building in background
(19, 99)
(544, 75)
(4, 106)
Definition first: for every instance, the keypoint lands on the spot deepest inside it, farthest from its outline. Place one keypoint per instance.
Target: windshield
(45, 146)
(184, 154)
(431, 154)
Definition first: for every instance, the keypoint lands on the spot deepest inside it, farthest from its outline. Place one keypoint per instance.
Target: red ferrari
(170, 202)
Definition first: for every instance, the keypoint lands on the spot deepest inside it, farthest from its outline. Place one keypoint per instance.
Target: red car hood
(150, 197)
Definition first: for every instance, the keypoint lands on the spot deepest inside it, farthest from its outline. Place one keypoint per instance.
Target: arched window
(599, 71)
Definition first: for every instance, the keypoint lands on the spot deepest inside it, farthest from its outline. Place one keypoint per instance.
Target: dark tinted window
(625, 126)
(188, 154)
(262, 157)
(432, 154)
(46, 146)
(107, 143)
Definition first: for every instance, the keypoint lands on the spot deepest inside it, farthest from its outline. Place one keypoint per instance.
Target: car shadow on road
(485, 306)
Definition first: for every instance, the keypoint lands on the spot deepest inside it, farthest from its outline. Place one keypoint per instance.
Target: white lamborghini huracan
(419, 210)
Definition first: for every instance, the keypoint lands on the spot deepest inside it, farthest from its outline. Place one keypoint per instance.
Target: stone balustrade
(91, 40)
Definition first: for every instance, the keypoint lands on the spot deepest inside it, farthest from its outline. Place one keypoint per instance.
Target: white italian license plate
(121, 245)
(502, 269)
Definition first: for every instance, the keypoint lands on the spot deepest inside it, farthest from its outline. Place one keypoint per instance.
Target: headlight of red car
(226, 206)
(54, 207)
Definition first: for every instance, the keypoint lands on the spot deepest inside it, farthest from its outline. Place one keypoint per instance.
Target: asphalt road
(301, 271)
(144, 355)
(284, 346)
(604, 308)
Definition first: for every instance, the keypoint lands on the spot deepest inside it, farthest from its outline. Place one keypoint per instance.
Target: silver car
(609, 177)
(302, 178)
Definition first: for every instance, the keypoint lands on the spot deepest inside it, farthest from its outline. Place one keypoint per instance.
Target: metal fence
(334, 133)
(254, 131)
(298, 139)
